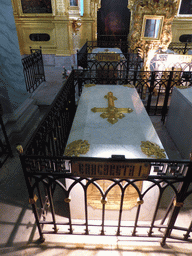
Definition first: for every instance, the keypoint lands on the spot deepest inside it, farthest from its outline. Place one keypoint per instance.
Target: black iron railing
(52, 186)
(51, 178)
(33, 69)
(52, 133)
(5, 147)
(104, 42)
(126, 62)
(180, 48)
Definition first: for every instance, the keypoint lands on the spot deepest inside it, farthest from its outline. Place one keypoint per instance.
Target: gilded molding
(60, 7)
(87, 6)
(76, 24)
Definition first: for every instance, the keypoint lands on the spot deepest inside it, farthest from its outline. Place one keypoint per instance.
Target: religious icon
(36, 6)
(152, 26)
(73, 2)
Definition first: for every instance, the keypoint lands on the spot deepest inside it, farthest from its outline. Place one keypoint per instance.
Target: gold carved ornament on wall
(158, 14)
(76, 24)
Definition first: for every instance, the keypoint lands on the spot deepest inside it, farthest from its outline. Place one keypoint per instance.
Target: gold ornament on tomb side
(152, 150)
(129, 85)
(182, 87)
(89, 85)
(77, 147)
(19, 149)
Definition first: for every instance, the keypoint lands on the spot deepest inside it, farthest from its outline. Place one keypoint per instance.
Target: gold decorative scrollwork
(152, 150)
(139, 8)
(77, 147)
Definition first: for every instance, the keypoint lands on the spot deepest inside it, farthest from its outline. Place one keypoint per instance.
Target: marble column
(12, 84)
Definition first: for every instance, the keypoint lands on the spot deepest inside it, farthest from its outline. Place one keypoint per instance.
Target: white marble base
(179, 120)
(59, 61)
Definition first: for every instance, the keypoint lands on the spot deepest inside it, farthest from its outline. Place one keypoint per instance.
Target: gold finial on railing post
(190, 156)
(19, 149)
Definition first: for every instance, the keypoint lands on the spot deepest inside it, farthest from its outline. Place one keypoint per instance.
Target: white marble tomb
(105, 139)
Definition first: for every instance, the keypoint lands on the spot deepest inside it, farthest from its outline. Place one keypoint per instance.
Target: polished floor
(18, 234)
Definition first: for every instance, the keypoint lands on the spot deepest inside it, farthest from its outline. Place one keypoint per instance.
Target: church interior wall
(58, 25)
(180, 27)
(63, 41)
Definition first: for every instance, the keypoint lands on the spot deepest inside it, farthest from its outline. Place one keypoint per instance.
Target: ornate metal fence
(33, 69)
(90, 45)
(5, 147)
(52, 133)
(53, 188)
(54, 182)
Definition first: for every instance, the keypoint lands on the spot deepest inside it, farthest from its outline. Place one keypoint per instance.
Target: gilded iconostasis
(95, 18)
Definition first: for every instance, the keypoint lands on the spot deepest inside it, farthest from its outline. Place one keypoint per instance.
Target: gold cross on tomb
(111, 112)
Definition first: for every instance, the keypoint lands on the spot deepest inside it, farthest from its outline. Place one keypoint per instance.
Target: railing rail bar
(33, 69)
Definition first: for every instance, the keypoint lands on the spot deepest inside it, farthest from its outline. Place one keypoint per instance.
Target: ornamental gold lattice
(77, 147)
(152, 149)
